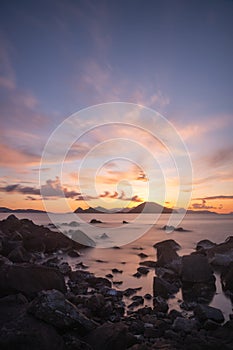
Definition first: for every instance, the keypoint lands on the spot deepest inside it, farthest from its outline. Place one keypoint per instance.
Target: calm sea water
(147, 232)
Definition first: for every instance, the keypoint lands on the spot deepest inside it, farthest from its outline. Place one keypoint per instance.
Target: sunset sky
(59, 57)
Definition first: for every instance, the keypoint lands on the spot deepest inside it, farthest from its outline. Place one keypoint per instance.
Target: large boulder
(112, 336)
(195, 269)
(52, 307)
(20, 255)
(163, 288)
(166, 252)
(205, 312)
(221, 254)
(227, 279)
(21, 331)
(29, 279)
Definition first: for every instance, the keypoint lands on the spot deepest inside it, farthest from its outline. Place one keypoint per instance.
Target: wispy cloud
(215, 197)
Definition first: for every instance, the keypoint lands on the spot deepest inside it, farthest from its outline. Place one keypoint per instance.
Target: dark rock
(166, 252)
(148, 296)
(29, 279)
(25, 332)
(205, 244)
(195, 268)
(173, 314)
(95, 221)
(80, 265)
(110, 336)
(160, 304)
(163, 288)
(143, 270)
(116, 247)
(210, 325)
(117, 283)
(72, 342)
(184, 325)
(221, 254)
(131, 291)
(137, 301)
(52, 307)
(64, 268)
(116, 271)
(142, 255)
(124, 222)
(148, 263)
(73, 253)
(227, 278)
(137, 274)
(109, 275)
(19, 255)
(205, 312)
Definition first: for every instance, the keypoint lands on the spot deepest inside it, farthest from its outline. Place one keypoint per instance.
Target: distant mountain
(8, 210)
(100, 210)
(190, 211)
(151, 208)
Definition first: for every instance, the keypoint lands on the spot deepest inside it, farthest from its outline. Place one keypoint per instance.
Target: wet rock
(111, 336)
(29, 279)
(142, 255)
(210, 325)
(137, 275)
(166, 252)
(124, 222)
(195, 268)
(109, 275)
(73, 253)
(52, 307)
(163, 288)
(148, 263)
(117, 283)
(221, 254)
(205, 312)
(131, 291)
(143, 270)
(20, 255)
(80, 265)
(160, 304)
(184, 325)
(117, 271)
(95, 221)
(148, 296)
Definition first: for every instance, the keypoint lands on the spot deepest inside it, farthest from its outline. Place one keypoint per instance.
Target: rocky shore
(44, 304)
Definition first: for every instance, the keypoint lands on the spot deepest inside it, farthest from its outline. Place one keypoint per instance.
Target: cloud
(51, 189)
(202, 205)
(221, 157)
(12, 157)
(215, 197)
(120, 196)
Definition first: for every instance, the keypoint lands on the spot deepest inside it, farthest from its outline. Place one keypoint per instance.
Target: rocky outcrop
(166, 253)
(29, 279)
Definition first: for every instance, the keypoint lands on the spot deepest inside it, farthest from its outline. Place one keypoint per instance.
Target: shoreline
(78, 310)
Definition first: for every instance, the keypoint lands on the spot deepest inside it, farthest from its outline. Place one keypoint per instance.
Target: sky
(173, 57)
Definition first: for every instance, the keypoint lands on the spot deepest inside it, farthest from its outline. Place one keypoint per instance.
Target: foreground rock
(53, 308)
(29, 279)
(205, 312)
(221, 254)
(24, 233)
(166, 253)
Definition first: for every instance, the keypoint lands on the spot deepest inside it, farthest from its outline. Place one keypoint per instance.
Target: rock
(184, 325)
(195, 268)
(73, 253)
(29, 279)
(64, 268)
(163, 288)
(148, 263)
(109, 275)
(166, 252)
(142, 255)
(227, 279)
(72, 342)
(116, 271)
(19, 255)
(205, 312)
(104, 236)
(160, 304)
(81, 266)
(131, 291)
(221, 254)
(143, 270)
(117, 283)
(124, 222)
(95, 221)
(210, 325)
(205, 244)
(52, 307)
(74, 224)
(148, 296)
(26, 332)
(137, 275)
(110, 336)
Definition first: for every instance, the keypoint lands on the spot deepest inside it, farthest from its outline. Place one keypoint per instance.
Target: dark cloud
(202, 205)
(215, 197)
(221, 157)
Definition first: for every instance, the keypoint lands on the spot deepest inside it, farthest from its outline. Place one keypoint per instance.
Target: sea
(132, 238)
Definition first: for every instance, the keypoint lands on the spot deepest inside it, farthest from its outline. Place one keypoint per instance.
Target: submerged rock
(95, 221)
